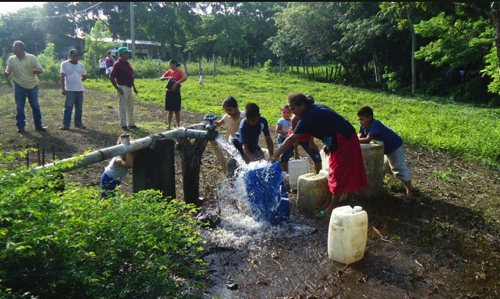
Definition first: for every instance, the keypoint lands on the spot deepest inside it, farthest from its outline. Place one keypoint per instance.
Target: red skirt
(347, 169)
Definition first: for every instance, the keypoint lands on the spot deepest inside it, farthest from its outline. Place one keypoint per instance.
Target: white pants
(397, 162)
(126, 107)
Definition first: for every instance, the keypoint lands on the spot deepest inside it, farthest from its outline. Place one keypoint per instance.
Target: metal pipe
(120, 149)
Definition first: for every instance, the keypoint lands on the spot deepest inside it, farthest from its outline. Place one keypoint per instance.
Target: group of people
(310, 120)
(25, 68)
(341, 142)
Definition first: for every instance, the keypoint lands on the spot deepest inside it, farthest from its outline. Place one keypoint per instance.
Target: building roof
(111, 40)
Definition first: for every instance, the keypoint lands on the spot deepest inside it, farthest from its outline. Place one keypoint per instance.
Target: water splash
(237, 226)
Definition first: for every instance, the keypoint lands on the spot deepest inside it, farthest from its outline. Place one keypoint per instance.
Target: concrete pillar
(155, 168)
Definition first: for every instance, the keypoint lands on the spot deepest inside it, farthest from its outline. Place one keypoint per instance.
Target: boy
(372, 128)
(246, 139)
(232, 118)
(73, 73)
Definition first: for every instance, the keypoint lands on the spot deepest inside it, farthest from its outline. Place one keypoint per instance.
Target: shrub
(67, 243)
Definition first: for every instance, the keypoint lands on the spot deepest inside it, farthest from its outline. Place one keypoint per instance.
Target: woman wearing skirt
(175, 77)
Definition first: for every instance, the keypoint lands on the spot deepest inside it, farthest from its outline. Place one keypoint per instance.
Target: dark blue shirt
(320, 121)
(324, 123)
(247, 134)
(392, 141)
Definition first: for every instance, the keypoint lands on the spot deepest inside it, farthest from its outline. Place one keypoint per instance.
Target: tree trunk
(413, 48)
(5, 57)
(376, 67)
(191, 154)
(495, 12)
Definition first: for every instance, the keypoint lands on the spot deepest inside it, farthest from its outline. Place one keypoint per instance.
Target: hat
(73, 52)
(122, 50)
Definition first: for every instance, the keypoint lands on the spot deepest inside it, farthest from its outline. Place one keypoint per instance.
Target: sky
(8, 7)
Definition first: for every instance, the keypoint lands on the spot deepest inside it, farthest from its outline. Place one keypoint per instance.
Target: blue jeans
(73, 98)
(20, 94)
(108, 185)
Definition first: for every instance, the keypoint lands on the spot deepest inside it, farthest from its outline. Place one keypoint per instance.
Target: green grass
(428, 122)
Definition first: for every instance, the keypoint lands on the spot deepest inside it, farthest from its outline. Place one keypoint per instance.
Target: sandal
(322, 214)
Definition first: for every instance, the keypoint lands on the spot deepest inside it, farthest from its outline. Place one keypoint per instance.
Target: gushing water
(237, 226)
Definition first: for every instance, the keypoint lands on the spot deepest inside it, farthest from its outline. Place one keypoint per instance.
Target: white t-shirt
(116, 173)
(74, 73)
(102, 63)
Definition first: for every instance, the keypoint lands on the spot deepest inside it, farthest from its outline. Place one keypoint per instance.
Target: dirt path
(445, 244)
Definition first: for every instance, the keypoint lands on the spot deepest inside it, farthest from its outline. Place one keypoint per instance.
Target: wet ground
(445, 244)
(438, 246)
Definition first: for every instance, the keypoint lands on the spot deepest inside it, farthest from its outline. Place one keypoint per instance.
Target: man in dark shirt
(122, 78)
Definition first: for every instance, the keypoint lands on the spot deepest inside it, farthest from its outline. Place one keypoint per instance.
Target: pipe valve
(211, 128)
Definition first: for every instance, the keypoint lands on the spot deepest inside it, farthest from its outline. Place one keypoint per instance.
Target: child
(201, 78)
(307, 143)
(371, 128)
(102, 67)
(232, 118)
(283, 127)
(116, 171)
(246, 139)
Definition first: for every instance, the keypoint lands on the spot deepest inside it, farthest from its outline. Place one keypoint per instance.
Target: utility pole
(132, 29)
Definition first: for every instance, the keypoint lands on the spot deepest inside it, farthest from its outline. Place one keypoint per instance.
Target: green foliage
(62, 241)
(50, 65)
(95, 47)
(436, 123)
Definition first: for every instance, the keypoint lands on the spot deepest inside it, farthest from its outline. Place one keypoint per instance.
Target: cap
(73, 52)
(122, 50)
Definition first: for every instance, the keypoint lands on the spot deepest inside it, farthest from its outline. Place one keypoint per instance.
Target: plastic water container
(296, 168)
(312, 191)
(325, 160)
(347, 234)
(373, 158)
(267, 194)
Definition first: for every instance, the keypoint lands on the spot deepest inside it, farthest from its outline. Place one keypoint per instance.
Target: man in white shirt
(73, 73)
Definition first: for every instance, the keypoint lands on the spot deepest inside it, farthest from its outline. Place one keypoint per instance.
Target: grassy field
(432, 123)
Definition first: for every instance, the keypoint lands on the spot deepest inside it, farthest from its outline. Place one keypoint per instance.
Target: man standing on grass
(122, 78)
(25, 68)
(73, 73)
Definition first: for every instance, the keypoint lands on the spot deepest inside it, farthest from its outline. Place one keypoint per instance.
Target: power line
(54, 17)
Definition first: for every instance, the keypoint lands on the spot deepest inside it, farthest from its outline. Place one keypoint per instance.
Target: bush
(50, 65)
(67, 243)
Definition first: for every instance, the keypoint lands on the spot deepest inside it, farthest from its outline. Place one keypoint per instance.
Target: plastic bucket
(325, 160)
(347, 234)
(267, 194)
(296, 168)
(373, 158)
(312, 191)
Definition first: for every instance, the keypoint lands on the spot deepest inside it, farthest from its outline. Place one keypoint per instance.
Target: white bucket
(296, 168)
(347, 234)
(325, 160)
